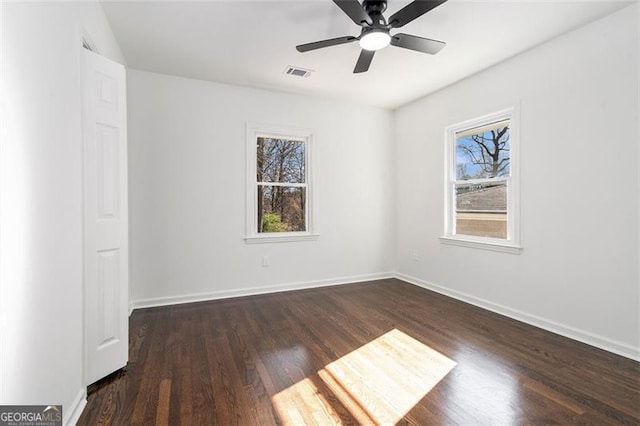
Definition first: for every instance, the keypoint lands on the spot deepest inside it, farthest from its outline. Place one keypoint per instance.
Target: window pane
(280, 160)
(481, 209)
(483, 152)
(281, 209)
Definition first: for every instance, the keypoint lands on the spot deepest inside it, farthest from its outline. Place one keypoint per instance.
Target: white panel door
(105, 207)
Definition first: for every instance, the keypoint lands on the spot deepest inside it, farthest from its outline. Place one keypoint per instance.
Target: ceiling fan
(375, 33)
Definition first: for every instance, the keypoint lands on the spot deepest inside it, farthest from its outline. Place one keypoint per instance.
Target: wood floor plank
(366, 353)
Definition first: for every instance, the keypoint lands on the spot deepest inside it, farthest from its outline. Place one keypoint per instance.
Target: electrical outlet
(413, 255)
(266, 261)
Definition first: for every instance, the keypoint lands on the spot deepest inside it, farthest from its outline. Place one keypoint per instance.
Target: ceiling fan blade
(355, 11)
(412, 11)
(325, 43)
(364, 60)
(419, 44)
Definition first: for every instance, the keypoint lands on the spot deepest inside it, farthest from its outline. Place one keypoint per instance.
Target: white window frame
(254, 131)
(513, 243)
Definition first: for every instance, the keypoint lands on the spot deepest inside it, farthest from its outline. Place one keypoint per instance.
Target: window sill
(484, 245)
(286, 238)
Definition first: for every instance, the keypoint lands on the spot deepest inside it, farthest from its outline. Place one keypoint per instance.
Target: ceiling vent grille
(298, 72)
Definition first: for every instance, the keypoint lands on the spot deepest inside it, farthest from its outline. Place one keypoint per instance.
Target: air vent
(298, 72)
(87, 43)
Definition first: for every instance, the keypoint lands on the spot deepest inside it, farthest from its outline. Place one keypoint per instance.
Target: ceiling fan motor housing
(374, 9)
(374, 6)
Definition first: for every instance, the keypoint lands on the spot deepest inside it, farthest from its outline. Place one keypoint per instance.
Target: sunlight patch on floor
(303, 404)
(378, 383)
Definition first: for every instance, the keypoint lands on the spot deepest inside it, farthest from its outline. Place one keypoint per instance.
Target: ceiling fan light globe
(375, 40)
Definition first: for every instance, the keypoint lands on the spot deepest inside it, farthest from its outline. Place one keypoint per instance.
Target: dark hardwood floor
(382, 352)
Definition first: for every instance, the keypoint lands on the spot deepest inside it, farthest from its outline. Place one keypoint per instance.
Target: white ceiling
(250, 43)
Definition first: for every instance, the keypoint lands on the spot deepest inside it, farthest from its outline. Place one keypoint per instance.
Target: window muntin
(482, 194)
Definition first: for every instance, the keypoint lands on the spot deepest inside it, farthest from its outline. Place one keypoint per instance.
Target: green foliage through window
(272, 222)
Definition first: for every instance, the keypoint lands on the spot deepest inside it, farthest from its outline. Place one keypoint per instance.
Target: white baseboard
(600, 342)
(252, 291)
(72, 413)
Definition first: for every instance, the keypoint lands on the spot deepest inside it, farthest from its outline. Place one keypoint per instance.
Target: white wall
(578, 273)
(187, 191)
(41, 343)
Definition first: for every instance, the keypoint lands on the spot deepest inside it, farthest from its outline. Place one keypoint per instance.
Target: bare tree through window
(485, 154)
(482, 171)
(282, 192)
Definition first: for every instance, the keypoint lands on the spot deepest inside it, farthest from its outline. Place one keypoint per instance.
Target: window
(279, 192)
(482, 185)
